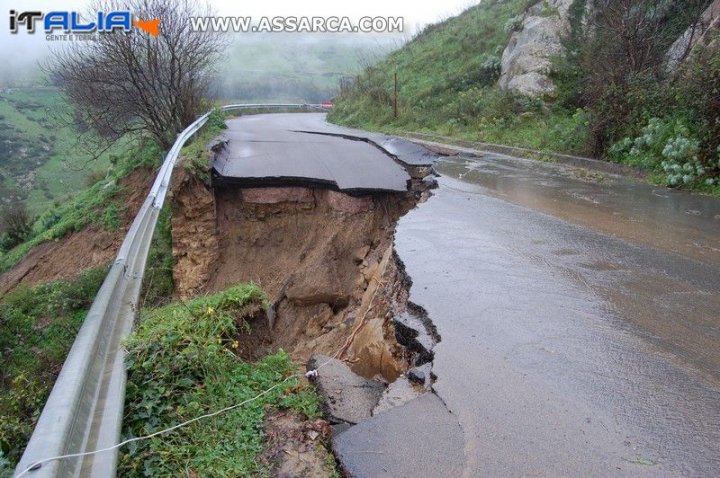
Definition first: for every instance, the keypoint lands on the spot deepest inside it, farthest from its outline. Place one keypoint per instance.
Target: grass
(447, 80)
(196, 159)
(158, 281)
(100, 204)
(448, 85)
(37, 327)
(36, 140)
(182, 364)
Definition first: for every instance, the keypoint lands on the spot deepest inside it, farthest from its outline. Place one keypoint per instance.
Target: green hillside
(446, 78)
(294, 67)
(41, 161)
(607, 103)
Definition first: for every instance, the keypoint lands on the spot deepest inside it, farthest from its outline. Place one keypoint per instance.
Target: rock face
(526, 61)
(194, 234)
(701, 33)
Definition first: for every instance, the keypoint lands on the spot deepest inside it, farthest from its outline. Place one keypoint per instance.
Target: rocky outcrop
(526, 61)
(700, 33)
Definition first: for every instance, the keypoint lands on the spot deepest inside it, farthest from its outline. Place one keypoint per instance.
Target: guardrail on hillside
(84, 411)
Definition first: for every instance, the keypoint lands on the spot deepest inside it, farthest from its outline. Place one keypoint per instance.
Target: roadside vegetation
(608, 103)
(158, 283)
(100, 205)
(37, 327)
(195, 155)
(182, 363)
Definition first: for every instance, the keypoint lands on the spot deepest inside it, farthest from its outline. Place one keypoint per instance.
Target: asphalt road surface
(299, 148)
(579, 312)
(579, 316)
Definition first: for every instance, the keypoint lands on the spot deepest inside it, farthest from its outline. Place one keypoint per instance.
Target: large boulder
(703, 32)
(527, 59)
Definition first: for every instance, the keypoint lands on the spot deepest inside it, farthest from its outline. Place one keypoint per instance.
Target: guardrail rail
(83, 413)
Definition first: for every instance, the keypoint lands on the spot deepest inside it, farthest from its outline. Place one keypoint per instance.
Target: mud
(296, 447)
(84, 249)
(324, 258)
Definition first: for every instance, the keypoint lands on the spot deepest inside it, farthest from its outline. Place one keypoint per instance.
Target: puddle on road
(675, 221)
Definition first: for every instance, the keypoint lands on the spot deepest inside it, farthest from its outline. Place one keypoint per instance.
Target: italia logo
(72, 22)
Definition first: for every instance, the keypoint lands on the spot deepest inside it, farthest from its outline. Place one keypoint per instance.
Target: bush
(182, 364)
(15, 222)
(667, 146)
(216, 119)
(37, 328)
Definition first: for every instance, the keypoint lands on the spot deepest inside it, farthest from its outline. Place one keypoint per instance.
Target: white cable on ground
(36, 465)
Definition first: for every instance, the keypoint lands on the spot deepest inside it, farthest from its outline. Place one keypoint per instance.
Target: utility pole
(395, 98)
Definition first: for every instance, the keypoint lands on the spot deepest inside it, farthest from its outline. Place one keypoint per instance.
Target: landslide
(324, 258)
(92, 246)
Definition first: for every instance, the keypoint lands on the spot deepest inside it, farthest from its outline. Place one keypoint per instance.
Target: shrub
(667, 146)
(182, 364)
(15, 221)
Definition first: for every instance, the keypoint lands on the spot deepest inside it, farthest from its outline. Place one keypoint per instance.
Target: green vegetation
(196, 159)
(447, 85)
(294, 67)
(37, 327)
(99, 205)
(158, 281)
(182, 364)
(41, 158)
(605, 100)
(6, 470)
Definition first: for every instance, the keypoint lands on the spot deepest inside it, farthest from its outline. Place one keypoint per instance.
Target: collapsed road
(580, 323)
(527, 319)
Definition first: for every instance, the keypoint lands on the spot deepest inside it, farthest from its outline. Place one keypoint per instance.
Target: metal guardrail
(84, 410)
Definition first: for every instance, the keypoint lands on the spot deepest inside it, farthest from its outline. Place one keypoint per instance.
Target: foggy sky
(22, 50)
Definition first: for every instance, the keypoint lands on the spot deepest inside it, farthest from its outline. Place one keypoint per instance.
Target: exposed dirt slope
(323, 257)
(90, 247)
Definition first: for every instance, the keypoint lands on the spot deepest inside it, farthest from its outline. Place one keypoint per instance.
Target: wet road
(579, 316)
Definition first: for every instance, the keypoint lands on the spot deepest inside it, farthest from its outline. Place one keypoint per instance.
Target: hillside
(41, 161)
(553, 76)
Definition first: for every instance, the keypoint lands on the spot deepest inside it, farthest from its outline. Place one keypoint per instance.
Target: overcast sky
(416, 13)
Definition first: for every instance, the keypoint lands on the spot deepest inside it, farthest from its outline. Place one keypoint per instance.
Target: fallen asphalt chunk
(418, 439)
(346, 396)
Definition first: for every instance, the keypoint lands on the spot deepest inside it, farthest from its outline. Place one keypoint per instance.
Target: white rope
(38, 464)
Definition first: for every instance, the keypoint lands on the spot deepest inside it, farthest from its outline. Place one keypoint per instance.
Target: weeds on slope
(37, 327)
(182, 364)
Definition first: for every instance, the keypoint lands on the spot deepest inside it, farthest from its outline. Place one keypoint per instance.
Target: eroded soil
(324, 258)
(85, 249)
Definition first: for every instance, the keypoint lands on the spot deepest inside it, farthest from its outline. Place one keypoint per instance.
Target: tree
(134, 82)
(617, 57)
(15, 224)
